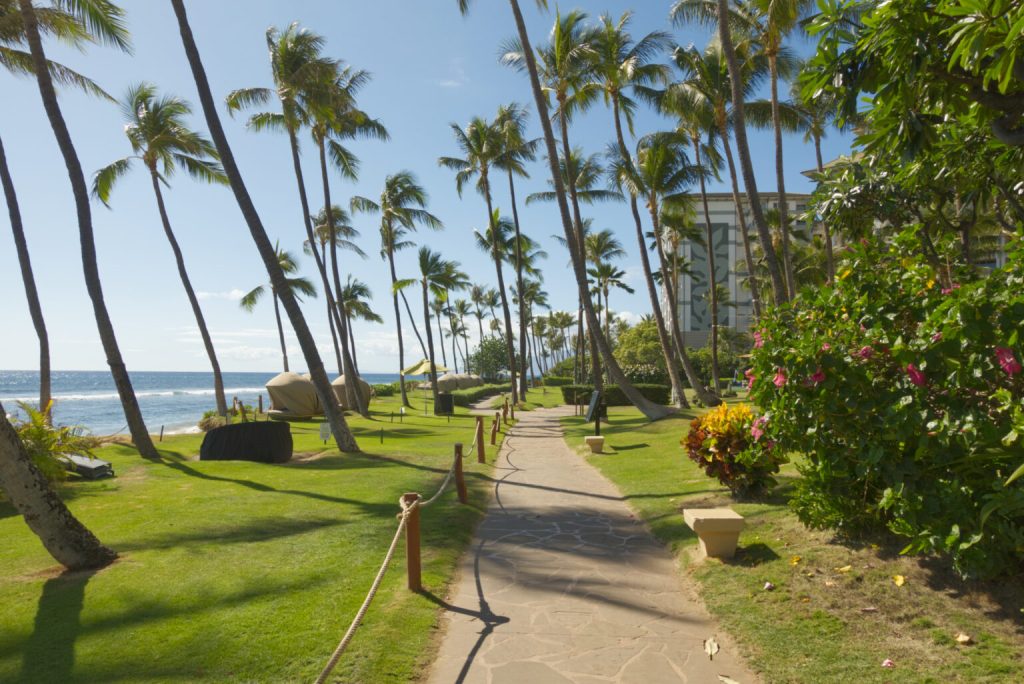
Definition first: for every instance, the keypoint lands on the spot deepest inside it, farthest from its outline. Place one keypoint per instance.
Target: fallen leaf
(964, 639)
(711, 648)
(795, 560)
(845, 568)
(829, 583)
(869, 609)
(725, 679)
(809, 573)
(805, 599)
(888, 663)
(768, 586)
(899, 580)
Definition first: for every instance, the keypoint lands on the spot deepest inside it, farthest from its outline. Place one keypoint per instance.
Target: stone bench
(717, 528)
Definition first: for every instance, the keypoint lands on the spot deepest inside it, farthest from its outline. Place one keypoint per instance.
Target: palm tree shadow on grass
(49, 653)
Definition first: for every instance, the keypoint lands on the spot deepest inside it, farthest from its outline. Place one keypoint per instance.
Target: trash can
(445, 404)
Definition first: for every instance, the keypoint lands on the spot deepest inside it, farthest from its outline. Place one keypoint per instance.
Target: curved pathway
(563, 584)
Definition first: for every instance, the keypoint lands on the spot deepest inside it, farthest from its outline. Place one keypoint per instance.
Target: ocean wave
(139, 395)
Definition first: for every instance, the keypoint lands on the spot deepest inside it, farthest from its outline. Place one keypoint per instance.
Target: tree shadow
(257, 530)
(49, 653)
(752, 555)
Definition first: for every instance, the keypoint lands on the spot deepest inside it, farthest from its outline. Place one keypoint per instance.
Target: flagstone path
(563, 584)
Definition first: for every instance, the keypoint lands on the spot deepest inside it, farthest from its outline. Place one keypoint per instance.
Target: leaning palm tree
(336, 419)
(481, 146)
(162, 141)
(402, 207)
(70, 29)
(718, 12)
(295, 286)
(436, 276)
(106, 22)
(437, 305)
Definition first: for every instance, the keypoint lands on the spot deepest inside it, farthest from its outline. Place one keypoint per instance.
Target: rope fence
(409, 522)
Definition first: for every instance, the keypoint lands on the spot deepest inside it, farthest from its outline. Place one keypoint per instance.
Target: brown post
(460, 480)
(497, 420)
(412, 543)
(261, 404)
(504, 413)
(494, 433)
(480, 458)
(512, 410)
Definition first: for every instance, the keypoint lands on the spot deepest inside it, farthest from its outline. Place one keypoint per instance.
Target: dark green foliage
(640, 346)
(465, 397)
(46, 443)
(563, 368)
(613, 396)
(490, 359)
(557, 380)
(646, 374)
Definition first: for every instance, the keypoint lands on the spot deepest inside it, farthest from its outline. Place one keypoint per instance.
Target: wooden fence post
(504, 413)
(412, 543)
(497, 419)
(512, 410)
(494, 433)
(460, 479)
(480, 458)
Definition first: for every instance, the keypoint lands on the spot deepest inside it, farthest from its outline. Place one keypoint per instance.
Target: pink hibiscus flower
(757, 429)
(825, 346)
(865, 352)
(780, 378)
(916, 376)
(750, 378)
(818, 377)
(1007, 361)
(758, 340)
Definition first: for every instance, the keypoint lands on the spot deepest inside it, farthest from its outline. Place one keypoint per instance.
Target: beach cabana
(339, 391)
(448, 382)
(292, 396)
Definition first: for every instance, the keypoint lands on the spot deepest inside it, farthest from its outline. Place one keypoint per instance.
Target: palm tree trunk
(748, 256)
(440, 337)
(352, 346)
(179, 259)
(28, 280)
(480, 323)
(519, 283)
(505, 310)
(398, 327)
(339, 427)
(787, 259)
(705, 397)
(746, 165)
(136, 425)
(280, 332)
(577, 364)
(430, 344)
(829, 257)
(412, 321)
(709, 251)
(330, 316)
(352, 393)
(66, 539)
(671, 364)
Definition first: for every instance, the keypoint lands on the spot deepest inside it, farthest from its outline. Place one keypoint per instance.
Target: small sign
(594, 407)
(325, 431)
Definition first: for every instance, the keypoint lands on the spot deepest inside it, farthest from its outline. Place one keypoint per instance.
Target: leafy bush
(386, 389)
(728, 363)
(563, 368)
(902, 386)
(46, 443)
(211, 419)
(613, 396)
(640, 346)
(466, 397)
(728, 443)
(557, 380)
(646, 373)
(490, 359)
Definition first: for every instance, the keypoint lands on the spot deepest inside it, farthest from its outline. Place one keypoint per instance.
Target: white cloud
(456, 75)
(629, 317)
(232, 295)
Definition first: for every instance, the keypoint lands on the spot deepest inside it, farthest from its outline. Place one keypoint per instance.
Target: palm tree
(354, 300)
(296, 286)
(713, 12)
(107, 23)
(481, 145)
(460, 309)
(402, 206)
(477, 295)
(660, 174)
(162, 141)
(606, 276)
(436, 276)
(437, 308)
(339, 426)
(514, 150)
(491, 300)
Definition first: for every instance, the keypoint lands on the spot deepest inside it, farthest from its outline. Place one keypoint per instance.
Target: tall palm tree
(660, 173)
(718, 12)
(492, 300)
(162, 141)
(460, 309)
(606, 276)
(402, 207)
(354, 299)
(339, 426)
(295, 286)
(481, 145)
(107, 23)
(514, 150)
(651, 410)
(70, 29)
(477, 295)
(437, 306)
(436, 276)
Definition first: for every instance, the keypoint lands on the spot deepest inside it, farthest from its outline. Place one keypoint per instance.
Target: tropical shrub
(388, 389)
(557, 380)
(46, 444)
(646, 373)
(902, 387)
(613, 396)
(728, 363)
(465, 397)
(563, 368)
(728, 444)
(490, 359)
(640, 345)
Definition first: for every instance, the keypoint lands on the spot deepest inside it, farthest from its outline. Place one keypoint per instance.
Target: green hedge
(613, 396)
(557, 380)
(465, 397)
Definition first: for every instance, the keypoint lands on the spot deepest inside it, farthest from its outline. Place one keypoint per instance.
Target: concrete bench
(717, 528)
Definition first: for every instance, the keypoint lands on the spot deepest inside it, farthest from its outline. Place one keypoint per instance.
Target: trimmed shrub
(386, 390)
(557, 380)
(727, 442)
(613, 395)
(466, 397)
(646, 374)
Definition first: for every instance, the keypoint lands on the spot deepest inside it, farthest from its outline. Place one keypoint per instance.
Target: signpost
(325, 432)
(594, 411)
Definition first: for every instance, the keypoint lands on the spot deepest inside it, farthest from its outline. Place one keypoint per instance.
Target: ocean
(175, 401)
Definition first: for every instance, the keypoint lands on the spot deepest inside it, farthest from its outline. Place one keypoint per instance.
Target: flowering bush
(727, 442)
(645, 373)
(902, 386)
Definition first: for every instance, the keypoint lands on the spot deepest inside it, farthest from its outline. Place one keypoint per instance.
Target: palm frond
(104, 179)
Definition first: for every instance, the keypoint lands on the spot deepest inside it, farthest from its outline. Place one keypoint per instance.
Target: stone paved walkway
(562, 584)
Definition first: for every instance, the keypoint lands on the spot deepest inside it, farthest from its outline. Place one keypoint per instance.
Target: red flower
(865, 352)
(1007, 361)
(916, 376)
(758, 340)
(818, 377)
(937, 337)
(780, 378)
(757, 429)
(825, 346)
(750, 378)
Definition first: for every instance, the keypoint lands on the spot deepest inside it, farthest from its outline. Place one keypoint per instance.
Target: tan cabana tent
(466, 381)
(447, 383)
(339, 391)
(292, 396)
(476, 379)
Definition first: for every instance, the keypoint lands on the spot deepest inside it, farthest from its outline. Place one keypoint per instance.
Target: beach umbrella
(423, 368)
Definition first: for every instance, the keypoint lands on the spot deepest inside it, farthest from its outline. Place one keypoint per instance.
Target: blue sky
(430, 67)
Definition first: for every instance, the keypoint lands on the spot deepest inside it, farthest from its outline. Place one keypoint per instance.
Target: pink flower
(949, 290)
(750, 378)
(937, 337)
(916, 376)
(888, 663)
(825, 346)
(757, 429)
(865, 352)
(818, 377)
(1007, 361)
(780, 378)
(758, 340)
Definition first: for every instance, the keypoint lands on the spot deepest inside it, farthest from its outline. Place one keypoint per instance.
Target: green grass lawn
(536, 397)
(836, 612)
(237, 571)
